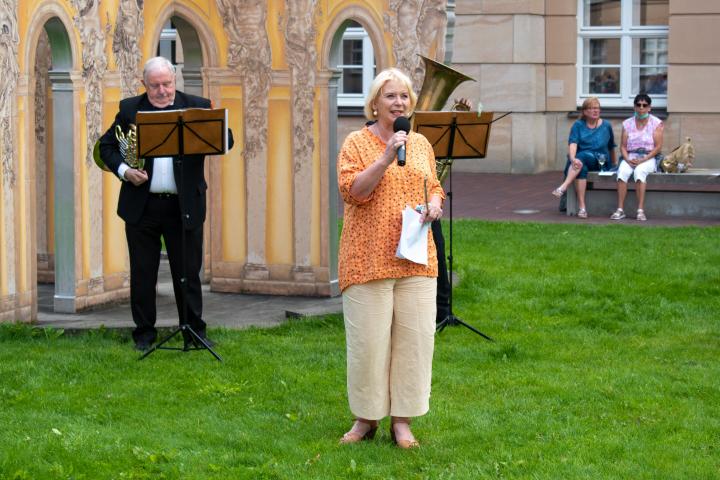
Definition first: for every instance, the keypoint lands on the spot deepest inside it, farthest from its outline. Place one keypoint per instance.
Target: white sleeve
(124, 167)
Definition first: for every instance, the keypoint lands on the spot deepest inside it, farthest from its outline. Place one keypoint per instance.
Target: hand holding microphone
(401, 123)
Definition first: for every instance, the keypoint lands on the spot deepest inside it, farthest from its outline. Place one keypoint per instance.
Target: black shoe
(143, 345)
(190, 343)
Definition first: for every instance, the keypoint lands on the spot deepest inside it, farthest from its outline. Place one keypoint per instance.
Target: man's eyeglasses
(642, 105)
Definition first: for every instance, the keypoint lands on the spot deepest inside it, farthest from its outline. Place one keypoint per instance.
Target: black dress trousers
(442, 298)
(162, 218)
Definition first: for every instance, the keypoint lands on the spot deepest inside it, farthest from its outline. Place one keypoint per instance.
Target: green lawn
(606, 366)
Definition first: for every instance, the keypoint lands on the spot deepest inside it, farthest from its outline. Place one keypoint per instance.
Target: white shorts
(639, 173)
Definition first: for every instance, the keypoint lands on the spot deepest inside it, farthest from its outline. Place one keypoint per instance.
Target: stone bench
(692, 194)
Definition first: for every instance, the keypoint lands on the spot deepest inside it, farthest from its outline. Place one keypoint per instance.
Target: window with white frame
(357, 67)
(623, 50)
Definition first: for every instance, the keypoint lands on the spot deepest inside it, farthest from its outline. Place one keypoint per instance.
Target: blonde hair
(381, 79)
(589, 103)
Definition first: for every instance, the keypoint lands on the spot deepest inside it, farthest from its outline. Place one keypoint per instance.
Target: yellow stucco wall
(279, 180)
(114, 245)
(232, 218)
(234, 205)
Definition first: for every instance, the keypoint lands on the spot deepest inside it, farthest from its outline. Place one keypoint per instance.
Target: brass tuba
(439, 83)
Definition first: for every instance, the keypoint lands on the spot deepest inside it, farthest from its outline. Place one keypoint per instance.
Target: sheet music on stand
(468, 137)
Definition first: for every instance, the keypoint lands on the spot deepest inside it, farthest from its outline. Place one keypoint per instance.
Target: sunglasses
(642, 105)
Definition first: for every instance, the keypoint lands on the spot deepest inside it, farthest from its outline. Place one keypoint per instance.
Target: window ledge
(351, 111)
(622, 113)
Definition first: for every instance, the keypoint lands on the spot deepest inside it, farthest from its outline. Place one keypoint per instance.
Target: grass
(606, 365)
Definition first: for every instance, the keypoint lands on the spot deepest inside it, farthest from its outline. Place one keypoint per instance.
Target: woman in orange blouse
(388, 302)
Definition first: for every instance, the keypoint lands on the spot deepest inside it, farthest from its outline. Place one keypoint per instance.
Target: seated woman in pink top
(388, 302)
(642, 138)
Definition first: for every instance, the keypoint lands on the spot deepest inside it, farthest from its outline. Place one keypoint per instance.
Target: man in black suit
(158, 201)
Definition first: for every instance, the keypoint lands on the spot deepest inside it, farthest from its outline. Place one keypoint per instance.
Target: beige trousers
(390, 335)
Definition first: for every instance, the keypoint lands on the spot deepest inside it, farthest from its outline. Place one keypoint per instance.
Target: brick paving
(520, 197)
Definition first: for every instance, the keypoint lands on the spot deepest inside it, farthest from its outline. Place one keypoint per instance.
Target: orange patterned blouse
(371, 228)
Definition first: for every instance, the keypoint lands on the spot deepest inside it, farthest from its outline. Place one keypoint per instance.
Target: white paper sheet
(413, 244)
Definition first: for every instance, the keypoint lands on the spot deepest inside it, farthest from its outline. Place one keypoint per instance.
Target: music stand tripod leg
(197, 339)
(159, 345)
(451, 319)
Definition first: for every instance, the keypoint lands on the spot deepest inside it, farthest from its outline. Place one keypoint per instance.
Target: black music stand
(455, 135)
(175, 133)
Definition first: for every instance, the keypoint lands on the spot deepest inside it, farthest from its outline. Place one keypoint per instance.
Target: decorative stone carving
(93, 38)
(432, 27)
(9, 41)
(128, 30)
(401, 21)
(94, 62)
(43, 64)
(249, 55)
(417, 26)
(301, 57)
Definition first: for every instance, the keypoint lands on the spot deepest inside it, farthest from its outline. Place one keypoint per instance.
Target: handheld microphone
(401, 123)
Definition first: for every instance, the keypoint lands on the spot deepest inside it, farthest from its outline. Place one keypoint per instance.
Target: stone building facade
(539, 59)
(532, 57)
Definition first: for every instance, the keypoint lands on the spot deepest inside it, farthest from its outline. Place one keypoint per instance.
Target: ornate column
(94, 66)
(45, 269)
(9, 40)
(249, 55)
(301, 57)
(329, 199)
(63, 154)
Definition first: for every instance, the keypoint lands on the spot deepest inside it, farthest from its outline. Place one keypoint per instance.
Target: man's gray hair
(158, 63)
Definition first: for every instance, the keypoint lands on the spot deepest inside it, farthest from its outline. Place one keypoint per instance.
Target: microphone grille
(401, 123)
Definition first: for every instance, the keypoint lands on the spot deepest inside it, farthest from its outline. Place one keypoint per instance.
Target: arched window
(167, 47)
(357, 66)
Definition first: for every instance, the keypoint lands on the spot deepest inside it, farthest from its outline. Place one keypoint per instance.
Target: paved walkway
(480, 196)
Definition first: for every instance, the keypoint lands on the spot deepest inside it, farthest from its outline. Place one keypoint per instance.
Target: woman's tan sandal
(404, 444)
(355, 437)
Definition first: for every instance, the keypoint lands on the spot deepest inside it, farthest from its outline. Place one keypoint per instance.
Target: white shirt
(163, 179)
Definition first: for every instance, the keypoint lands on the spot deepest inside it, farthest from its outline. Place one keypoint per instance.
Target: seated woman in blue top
(590, 145)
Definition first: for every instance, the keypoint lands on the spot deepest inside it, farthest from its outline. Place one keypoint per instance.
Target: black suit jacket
(191, 189)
